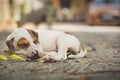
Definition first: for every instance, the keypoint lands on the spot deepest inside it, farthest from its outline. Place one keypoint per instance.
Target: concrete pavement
(101, 63)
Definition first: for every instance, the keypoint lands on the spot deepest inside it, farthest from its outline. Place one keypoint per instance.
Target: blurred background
(96, 23)
(59, 14)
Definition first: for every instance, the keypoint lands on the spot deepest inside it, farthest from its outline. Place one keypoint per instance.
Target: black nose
(35, 55)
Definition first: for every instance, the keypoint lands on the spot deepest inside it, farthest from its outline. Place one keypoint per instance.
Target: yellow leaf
(42, 60)
(16, 57)
(2, 57)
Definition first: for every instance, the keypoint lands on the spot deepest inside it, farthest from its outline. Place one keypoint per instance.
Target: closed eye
(24, 45)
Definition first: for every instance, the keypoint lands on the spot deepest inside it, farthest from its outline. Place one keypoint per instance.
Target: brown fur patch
(10, 45)
(23, 43)
(34, 35)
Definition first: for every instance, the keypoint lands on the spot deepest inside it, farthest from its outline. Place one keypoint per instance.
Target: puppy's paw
(54, 56)
(59, 57)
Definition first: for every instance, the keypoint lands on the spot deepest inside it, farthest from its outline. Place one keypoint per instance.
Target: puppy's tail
(83, 51)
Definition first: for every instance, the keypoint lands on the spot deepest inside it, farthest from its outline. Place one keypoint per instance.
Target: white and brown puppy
(44, 43)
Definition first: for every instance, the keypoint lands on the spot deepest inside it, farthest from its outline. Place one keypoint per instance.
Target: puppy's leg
(48, 55)
(62, 48)
(55, 55)
(60, 55)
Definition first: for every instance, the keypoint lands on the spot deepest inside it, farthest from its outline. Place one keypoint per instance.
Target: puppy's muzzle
(34, 55)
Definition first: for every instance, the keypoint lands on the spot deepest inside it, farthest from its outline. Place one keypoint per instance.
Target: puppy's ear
(34, 35)
(9, 43)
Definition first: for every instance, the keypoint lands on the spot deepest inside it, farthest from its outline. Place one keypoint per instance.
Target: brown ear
(34, 35)
(10, 44)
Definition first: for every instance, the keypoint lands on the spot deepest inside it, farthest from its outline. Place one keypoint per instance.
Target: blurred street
(80, 27)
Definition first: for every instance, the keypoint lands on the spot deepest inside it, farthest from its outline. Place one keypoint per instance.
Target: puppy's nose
(35, 55)
(35, 52)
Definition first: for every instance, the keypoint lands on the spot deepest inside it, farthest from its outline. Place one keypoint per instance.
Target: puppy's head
(24, 41)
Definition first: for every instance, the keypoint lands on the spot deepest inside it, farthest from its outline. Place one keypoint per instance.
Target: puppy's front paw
(59, 57)
(54, 56)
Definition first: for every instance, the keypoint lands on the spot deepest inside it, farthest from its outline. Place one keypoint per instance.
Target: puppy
(44, 43)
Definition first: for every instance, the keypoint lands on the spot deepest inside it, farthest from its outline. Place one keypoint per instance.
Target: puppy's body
(48, 44)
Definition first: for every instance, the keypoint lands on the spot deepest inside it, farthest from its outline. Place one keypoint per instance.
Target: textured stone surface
(101, 63)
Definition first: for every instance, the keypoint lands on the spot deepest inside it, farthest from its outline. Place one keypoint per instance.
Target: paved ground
(101, 63)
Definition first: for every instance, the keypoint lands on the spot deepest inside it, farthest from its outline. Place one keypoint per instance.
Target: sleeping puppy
(44, 43)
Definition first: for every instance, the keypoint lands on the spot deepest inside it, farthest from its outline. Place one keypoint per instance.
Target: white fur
(47, 43)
